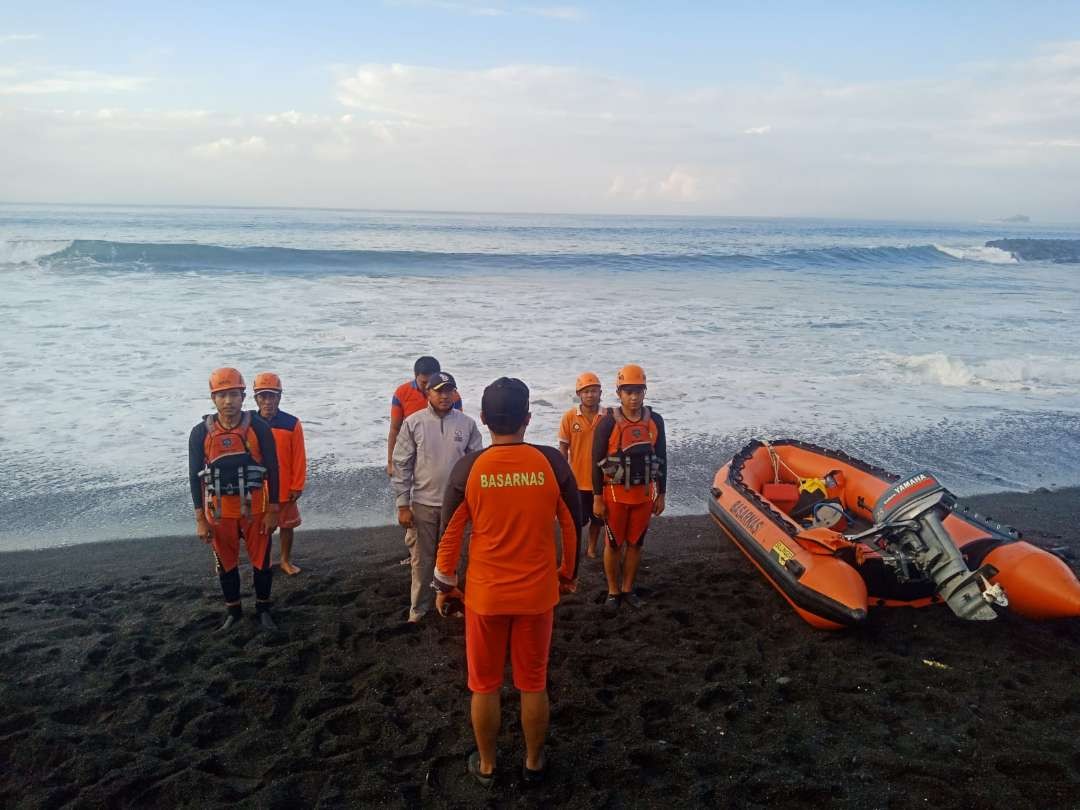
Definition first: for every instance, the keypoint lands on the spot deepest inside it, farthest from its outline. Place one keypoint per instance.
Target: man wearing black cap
(410, 397)
(427, 447)
(512, 493)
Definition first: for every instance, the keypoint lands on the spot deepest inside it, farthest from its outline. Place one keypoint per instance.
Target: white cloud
(471, 9)
(679, 185)
(550, 137)
(80, 81)
(251, 146)
(496, 96)
(297, 119)
(18, 37)
(567, 13)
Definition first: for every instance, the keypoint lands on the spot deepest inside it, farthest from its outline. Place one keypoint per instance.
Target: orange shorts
(627, 522)
(289, 515)
(486, 641)
(226, 541)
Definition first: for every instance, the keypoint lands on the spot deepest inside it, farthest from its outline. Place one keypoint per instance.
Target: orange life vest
(631, 459)
(234, 472)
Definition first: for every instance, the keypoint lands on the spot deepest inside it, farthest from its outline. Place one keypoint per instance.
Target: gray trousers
(427, 521)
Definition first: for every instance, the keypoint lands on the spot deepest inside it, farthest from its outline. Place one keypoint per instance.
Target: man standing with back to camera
(512, 493)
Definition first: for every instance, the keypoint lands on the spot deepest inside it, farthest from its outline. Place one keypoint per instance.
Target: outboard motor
(909, 515)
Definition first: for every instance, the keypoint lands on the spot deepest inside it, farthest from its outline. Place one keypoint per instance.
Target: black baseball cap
(505, 405)
(441, 379)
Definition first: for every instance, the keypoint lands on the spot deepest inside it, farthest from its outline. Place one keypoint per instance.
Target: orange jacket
(291, 454)
(576, 431)
(512, 494)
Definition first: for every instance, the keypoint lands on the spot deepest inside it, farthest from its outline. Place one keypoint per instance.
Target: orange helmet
(586, 379)
(267, 381)
(630, 375)
(225, 379)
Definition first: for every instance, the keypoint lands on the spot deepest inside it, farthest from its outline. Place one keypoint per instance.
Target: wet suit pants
(227, 533)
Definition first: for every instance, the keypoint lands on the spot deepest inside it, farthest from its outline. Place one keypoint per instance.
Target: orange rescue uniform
(576, 430)
(629, 509)
(511, 494)
(250, 441)
(292, 465)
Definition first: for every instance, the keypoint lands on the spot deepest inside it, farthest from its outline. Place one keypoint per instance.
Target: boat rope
(778, 462)
(780, 520)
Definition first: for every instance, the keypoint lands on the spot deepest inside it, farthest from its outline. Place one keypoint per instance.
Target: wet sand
(116, 691)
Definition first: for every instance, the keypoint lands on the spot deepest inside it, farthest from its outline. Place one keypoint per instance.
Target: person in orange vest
(233, 471)
(291, 457)
(575, 443)
(512, 493)
(629, 481)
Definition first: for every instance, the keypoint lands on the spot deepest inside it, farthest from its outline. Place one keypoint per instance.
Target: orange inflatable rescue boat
(836, 536)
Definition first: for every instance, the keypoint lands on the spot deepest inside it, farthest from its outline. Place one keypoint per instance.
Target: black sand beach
(116, 692)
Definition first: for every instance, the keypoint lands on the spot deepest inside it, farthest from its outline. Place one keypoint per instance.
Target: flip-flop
(484, 780)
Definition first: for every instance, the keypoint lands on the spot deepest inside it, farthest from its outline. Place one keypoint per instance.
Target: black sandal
(531, 777)
(484, 780)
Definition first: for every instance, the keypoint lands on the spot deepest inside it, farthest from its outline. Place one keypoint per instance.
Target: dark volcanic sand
(117, 693)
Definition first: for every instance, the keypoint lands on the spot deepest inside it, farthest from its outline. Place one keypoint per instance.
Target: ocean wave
(1061, 251)
(27, 251)
(1003, 374)
(986, 254)
(89, 255)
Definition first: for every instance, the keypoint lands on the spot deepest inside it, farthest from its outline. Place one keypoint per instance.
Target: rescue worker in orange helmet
(512, 493)
(291, 457)
(629, 481)
(575, 443)
(232, 465)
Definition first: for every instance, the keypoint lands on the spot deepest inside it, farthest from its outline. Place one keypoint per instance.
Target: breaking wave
(88, 255)
(27, 251)
(1004, 374)
(986, 254)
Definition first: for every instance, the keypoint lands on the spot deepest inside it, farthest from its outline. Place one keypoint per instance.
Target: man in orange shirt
(629, 482)
(575, 443)
(292, 460)
(511, 493)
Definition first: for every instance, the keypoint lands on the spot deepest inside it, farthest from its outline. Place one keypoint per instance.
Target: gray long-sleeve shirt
(427, 448)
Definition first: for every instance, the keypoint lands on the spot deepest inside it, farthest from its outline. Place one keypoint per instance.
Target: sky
(943, 110)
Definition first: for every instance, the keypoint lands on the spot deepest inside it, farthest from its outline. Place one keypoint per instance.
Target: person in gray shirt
(428, 445)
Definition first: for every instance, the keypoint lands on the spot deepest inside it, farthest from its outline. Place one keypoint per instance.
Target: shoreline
(119, 693)
(987, 502)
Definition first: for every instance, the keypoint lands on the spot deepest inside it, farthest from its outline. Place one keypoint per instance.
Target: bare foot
(289, 569)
